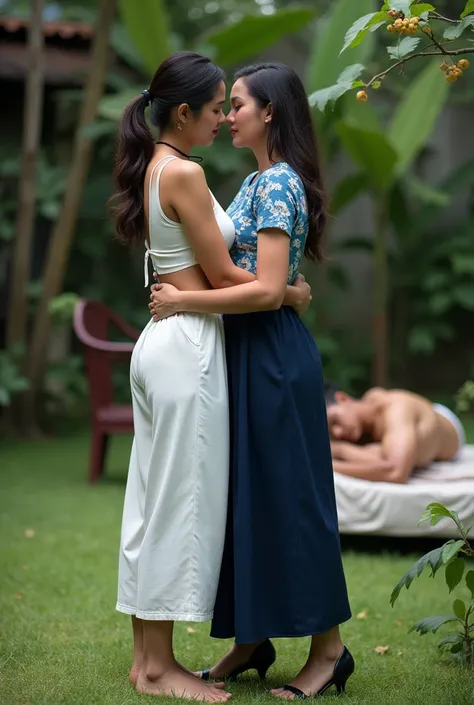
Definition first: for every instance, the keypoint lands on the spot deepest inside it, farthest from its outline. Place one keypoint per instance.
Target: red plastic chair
(91, 325)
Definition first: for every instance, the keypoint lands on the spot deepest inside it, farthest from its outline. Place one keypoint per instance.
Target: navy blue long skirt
(282, 573)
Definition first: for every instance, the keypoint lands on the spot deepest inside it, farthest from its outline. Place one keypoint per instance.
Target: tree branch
(437, 16)
(452, 52)
(438, 44)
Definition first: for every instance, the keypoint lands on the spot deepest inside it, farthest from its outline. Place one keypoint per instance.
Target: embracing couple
(230, 511)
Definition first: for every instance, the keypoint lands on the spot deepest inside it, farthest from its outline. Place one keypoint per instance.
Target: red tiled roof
(65, 30)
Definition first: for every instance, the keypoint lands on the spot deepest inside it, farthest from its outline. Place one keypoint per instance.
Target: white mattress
(387, 509)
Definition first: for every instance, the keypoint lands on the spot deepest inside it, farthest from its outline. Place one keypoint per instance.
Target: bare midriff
(189, 279)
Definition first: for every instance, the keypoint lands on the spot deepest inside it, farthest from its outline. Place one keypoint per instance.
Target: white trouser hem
(164, 616)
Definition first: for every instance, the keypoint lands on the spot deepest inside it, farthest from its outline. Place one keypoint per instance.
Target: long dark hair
(184, 77)
(291, 135)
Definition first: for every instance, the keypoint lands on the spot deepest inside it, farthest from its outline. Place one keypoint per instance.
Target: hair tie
(147, 96)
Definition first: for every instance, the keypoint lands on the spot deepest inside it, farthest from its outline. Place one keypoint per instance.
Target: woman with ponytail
(174, 517)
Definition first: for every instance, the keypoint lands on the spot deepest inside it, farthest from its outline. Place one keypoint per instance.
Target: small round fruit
(362, 96)
(398, 23)
(393, 13)
(427, 29)
(451, 78)
(390, 28)
(463, 64)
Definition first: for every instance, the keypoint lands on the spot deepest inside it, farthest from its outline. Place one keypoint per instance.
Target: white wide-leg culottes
(176, 497)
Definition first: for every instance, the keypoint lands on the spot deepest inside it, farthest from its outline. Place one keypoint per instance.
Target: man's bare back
(387, 434)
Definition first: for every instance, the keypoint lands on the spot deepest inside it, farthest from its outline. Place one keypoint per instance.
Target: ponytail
(134, 151)
(184, 77)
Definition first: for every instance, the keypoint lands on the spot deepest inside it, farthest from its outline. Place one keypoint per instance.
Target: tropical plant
(384, 156)
(452, 556)
(421, 32)
(430, 274)
(147, 41)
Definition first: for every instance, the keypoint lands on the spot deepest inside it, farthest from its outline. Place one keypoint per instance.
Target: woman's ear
(268, 115)
(182, 112)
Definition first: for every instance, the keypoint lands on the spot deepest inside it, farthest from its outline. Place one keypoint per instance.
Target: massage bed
(388, 509)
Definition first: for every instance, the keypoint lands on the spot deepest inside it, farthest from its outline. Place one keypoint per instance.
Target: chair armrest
(105, 345)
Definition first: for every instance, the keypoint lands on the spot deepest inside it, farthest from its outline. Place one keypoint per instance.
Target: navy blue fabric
(282, 573)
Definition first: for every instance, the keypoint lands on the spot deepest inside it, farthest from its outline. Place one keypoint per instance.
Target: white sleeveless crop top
(169, 249)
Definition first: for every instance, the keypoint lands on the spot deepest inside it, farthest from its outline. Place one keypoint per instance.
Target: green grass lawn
(61, 640)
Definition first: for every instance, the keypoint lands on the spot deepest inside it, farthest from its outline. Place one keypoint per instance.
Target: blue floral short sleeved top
(275, 199)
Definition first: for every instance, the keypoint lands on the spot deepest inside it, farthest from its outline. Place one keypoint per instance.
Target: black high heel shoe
(260, 660)
(343, 669)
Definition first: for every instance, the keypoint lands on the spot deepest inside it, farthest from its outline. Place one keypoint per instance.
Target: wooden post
(32, 122)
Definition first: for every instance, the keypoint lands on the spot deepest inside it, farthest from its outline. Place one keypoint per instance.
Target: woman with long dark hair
(282, 572)
(176, 497)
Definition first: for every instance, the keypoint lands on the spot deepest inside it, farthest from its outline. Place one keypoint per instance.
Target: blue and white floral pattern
(275, 199)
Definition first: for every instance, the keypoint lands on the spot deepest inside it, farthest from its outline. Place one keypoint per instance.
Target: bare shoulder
(376, 395)
(186, 184)
(402, 406)
(403, 397)
(186, 171)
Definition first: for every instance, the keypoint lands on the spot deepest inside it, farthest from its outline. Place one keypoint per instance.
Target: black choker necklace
(188, 156)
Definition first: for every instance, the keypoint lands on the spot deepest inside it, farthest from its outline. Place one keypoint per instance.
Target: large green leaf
(346, 82)
(435, 559)
(421, 9)
(455, 638)
(470, 582)
(468, 9)
(372, 151)
(325, 64)
(415, 118)
(451, 550)
(362, 26)
(111, 106)
(455, 30)
(346, 190)
(403, 48)
(454, 572)
(254, 33)
(147, 24)
(125, 48)
(435, 511)
(432, 624)
(459, 609)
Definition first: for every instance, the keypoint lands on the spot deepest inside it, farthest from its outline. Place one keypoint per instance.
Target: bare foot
(238, 655)
(310, 679)
(135, 672)
(178, 684)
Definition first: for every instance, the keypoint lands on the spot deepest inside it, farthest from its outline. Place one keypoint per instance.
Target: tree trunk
(62, 235)
(32, 121)
(380, 320)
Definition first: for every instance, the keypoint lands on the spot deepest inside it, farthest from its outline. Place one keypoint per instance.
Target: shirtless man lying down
(386, 434)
